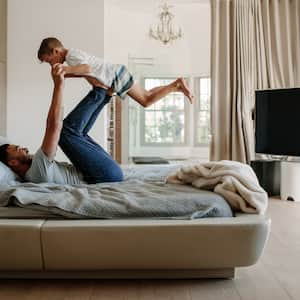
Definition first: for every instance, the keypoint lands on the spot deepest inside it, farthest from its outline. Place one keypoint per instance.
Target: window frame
(197, 110)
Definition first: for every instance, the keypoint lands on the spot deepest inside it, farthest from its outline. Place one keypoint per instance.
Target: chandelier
(164, 31)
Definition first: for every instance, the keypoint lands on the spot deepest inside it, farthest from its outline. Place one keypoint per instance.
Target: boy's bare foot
(182, 86)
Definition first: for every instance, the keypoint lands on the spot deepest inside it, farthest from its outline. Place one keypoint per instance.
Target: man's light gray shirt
(44, 169)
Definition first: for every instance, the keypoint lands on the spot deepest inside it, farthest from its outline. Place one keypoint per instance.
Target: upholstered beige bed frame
(211, 247)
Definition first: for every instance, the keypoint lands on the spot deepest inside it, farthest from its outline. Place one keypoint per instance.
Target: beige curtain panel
(255, 45)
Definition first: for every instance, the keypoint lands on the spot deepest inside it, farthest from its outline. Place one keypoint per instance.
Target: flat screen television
(277, 122)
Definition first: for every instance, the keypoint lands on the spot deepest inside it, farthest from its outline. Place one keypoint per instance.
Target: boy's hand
(58, 74)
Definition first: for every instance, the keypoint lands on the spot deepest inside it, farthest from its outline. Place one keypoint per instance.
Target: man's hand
(58, 74)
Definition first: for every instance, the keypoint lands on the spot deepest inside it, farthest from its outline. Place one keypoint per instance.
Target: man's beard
(25, 160)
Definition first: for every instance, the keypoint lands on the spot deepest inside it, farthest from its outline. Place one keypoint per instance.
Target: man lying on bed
(91, 164)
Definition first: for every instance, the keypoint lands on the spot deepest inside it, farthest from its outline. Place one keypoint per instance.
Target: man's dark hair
(3, 153)
(48, 45)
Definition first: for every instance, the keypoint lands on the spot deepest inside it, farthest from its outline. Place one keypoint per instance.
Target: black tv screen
(277, 122)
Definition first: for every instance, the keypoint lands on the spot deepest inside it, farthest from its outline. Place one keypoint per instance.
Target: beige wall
(78, 24)
(3, 4)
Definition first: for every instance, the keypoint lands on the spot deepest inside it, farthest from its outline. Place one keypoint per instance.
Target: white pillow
(7, 175)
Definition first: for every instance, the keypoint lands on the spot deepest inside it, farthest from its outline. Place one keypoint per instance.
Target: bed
(48, 243)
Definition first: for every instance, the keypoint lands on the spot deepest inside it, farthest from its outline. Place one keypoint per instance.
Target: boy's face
(55, 57)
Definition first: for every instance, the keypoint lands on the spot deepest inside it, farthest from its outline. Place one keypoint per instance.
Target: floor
(275, 276)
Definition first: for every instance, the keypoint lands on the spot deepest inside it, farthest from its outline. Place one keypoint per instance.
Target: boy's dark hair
(3, 153)
(47, 45)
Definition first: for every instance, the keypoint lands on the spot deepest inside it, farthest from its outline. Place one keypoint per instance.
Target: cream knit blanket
(235, 181)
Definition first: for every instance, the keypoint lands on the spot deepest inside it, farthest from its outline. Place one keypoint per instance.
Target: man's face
(53, 58)
(17, 153)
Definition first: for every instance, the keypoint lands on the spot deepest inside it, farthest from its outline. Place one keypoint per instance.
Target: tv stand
(268, 175)
(290, 178)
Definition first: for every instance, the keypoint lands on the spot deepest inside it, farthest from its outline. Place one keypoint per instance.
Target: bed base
(122, 274)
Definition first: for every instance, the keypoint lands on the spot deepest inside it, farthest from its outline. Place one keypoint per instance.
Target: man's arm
(55, 114)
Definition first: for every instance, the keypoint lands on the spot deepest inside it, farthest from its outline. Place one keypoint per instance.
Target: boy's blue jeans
(86, 155)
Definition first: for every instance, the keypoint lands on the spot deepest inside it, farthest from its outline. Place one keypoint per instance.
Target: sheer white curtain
(255, 45)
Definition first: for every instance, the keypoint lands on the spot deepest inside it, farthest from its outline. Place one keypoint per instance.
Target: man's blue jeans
(86, 155)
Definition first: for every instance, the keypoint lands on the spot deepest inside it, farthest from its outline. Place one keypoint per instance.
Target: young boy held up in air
(112, 77)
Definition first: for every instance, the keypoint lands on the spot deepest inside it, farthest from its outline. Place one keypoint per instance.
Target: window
(202, 115)
(163, 123)
(171, 127)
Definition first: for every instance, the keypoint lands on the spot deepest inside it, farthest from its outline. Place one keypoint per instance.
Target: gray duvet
(143, 194)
